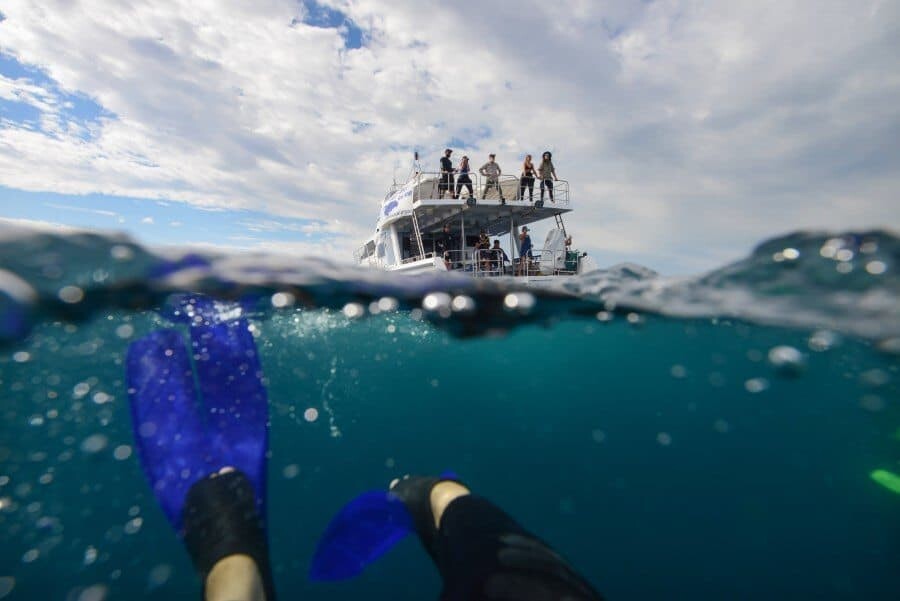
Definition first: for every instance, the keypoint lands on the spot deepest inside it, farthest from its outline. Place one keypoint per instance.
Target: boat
(410, 233)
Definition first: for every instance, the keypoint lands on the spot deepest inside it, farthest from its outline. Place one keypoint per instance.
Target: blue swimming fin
(182, 436)
(168, 431)
(237, 407)
(364, 530)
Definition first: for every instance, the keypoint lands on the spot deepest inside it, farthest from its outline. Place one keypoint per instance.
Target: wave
(846, 282)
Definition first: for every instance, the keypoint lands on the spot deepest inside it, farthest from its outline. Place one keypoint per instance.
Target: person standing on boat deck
(524, 250)
(547, 173)
(444, 241)
(464, 179)
(446, 175)
(483, 251)
(492, 171)
(527, 179)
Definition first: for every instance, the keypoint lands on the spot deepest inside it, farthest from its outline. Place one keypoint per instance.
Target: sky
(689, 131)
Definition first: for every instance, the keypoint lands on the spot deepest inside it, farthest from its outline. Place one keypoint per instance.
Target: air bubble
(94, 443)
(353, 310)
(823, 340)
(290, 471)
(280, 300)
(133, 525)
(755, 385)
(721, 426)
(21, 357)
(159, 575)
(95, 592)
(387, 304)
(519, 301)
(7, 584)
(787, 360)
(30, 555)
(678, 371)
(71, 294)
(311, 414)
(122, 452)
(462, 304)
(876, 267)
(437, 302)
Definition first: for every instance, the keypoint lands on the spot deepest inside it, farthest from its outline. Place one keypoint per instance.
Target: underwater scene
(730, 435)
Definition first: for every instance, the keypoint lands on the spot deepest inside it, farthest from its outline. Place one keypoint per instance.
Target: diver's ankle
(442, 495)
(235, 578)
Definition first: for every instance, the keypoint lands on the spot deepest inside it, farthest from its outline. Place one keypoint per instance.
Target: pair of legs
(464, 180)
(548, 184)
(529, 183)
(524, 262)
(493, 183)
(446, 185)
(207, 466)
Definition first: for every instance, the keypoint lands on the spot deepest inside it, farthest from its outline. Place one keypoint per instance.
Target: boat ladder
(418, 233)
(561, 225)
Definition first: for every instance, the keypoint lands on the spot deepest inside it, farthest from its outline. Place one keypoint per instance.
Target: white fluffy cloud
(689, 130)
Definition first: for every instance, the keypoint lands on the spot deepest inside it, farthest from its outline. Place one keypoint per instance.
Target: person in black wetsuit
(481, 553)
(446, 183)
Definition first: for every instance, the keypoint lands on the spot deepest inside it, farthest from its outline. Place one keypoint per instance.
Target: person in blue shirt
(525, 254)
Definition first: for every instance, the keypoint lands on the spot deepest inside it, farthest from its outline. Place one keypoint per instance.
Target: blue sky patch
(320, 15)
(69, 108)
(158, 221)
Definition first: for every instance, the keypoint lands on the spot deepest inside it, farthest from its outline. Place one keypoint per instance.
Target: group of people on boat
(491, 171)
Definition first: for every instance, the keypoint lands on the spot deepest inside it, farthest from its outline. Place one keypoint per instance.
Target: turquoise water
(643, 426)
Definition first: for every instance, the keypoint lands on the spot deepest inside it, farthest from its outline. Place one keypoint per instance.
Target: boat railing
(548, 262)
(414, 258)
(490, 263)
(429, 185)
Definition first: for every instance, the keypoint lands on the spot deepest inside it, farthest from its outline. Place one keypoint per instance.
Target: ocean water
(730, 435)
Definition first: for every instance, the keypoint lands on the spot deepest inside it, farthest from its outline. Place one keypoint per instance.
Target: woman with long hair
(547, 173)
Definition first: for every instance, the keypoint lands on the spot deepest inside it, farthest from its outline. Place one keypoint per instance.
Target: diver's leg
(483, 553)
(206, 466)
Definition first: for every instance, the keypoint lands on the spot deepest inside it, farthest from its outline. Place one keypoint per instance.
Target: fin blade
(364, 530)
(167, 431)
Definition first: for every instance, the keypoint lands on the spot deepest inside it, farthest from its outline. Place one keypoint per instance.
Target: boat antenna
(416, 167)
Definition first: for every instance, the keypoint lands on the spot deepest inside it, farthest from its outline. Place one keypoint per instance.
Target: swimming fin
(370, 525)
(179, 442)
(168, 432)
(364, 530)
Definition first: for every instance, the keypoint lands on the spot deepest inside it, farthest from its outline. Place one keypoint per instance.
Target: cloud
(687, 130)
(78, 209)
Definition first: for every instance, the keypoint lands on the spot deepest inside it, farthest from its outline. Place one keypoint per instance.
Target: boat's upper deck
(423, 194)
